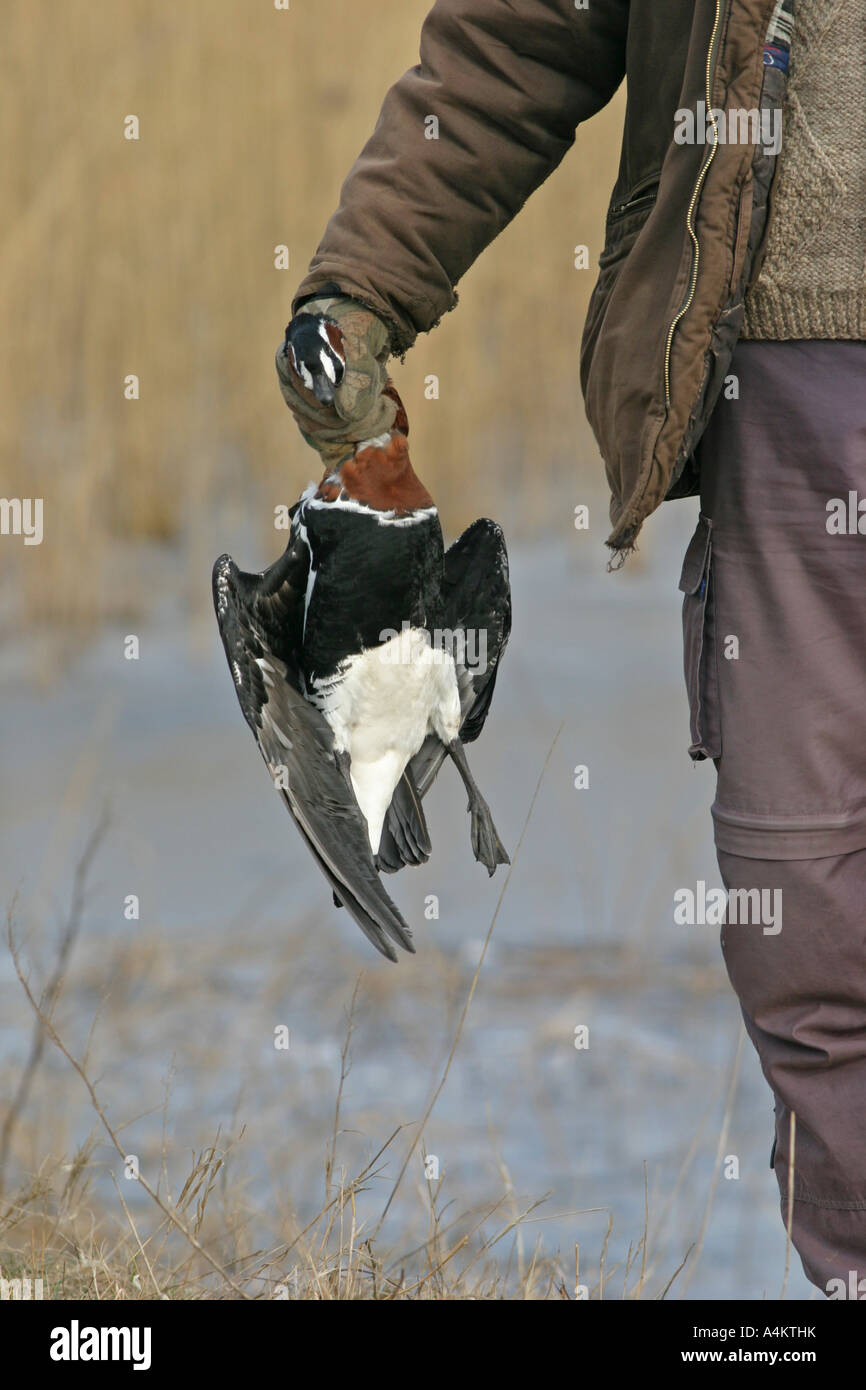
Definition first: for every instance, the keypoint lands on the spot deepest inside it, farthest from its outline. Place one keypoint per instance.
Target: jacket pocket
(699, 643)
(641, 195)
(625, 221)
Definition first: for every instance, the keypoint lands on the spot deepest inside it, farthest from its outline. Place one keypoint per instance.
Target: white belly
(381, 706)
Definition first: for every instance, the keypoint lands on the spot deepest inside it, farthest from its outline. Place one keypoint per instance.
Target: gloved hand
(333, 377)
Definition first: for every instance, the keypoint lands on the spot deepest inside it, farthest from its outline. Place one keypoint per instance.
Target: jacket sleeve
(508, 81)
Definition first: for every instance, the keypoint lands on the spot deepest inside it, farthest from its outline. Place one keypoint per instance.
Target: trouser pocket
(699, 645)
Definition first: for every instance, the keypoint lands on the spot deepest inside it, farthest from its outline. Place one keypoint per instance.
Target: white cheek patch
(328, 366)
(300, 369)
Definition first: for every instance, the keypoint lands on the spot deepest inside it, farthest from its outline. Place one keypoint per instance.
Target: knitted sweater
(812, 283)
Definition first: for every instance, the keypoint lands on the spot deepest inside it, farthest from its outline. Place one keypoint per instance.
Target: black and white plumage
(314, 348)
(361, 658)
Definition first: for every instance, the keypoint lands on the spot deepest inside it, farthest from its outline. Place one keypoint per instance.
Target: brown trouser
(774, 619)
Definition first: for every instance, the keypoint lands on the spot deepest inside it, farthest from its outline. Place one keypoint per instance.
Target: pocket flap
(697, 556)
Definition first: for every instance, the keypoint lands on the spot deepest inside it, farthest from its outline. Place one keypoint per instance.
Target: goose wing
(260, 618)
(477, 610)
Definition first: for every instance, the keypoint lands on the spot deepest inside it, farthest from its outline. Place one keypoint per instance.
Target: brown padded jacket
(510, 80)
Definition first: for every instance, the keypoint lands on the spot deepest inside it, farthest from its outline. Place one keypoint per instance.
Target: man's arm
(508, 82)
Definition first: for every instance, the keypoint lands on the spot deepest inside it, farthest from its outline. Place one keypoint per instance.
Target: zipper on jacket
(696, 192)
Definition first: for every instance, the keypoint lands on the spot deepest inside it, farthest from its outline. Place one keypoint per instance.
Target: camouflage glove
(333, 377)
